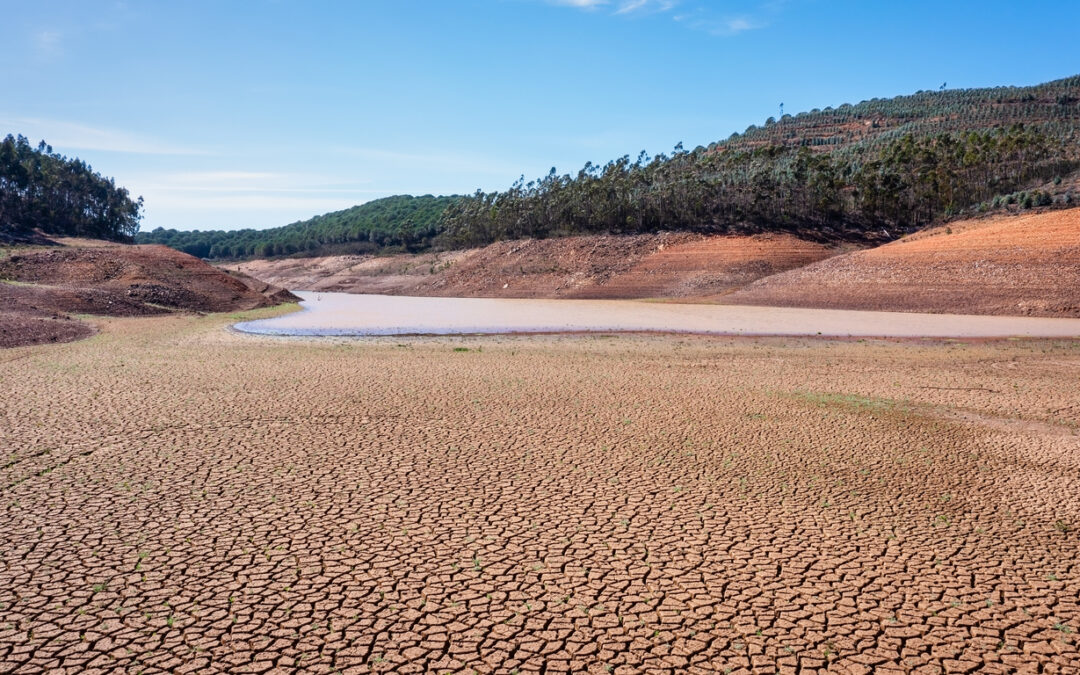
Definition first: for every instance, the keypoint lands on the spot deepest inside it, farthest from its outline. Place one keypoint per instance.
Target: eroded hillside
(1023, 265)
(666, 265)
(1013, 265)
(42, 287)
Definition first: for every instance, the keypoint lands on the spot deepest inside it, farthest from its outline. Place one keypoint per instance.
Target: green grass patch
(264, 312)
(853, 402)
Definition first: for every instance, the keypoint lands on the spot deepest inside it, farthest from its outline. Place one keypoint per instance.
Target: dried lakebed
(346, 314)
(178, 498)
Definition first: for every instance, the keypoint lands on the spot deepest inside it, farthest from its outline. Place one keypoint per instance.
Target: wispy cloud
(252, 183)
(239, 197)
(75, 136)
(219, 195)
(646, 6)
(48, 43)
(738, 25)
(445, 161)
(694, 14)
(580, 4)
(620, 6)
(242, 204)
(722, 26)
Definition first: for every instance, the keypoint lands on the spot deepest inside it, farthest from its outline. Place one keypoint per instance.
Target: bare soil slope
(1022, 265)
(40, 286)
(665, 265)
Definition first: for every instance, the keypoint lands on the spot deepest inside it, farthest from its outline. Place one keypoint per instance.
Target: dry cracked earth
(177, 498)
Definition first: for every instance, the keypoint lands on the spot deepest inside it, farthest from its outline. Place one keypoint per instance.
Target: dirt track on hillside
(177, 498)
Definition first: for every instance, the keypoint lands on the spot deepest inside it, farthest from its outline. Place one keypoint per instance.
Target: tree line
(401, 223)
(906, 184)
(860, 170)
(870, 170)
(44, 190)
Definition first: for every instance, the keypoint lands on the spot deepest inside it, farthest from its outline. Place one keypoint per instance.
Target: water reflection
(349, 314)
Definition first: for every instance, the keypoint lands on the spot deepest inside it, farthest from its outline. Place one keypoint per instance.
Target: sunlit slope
(1024, 265)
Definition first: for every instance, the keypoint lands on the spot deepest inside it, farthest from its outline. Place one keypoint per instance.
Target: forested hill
(872, 170)
(872, 124)
(875, 169)
(402, 222)
(44, 190)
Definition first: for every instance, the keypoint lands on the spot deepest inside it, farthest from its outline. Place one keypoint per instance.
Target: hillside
(41, 288)
(1022, 265)
(866, 172)
(664, 265)
(402, 222)
(42, 191)
(873, 123)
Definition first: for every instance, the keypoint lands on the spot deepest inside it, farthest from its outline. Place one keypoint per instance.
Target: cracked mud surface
(177, 498)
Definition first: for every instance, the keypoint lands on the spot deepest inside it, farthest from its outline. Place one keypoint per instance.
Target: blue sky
(227, 114)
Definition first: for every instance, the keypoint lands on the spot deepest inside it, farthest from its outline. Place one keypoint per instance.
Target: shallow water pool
(346, 314)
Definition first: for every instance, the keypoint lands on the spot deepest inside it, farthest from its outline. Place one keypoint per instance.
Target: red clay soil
(38, 287)
(26, 328)
(1014, 265)
(664, 265)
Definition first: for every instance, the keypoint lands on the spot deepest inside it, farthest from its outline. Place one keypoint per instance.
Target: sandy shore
(349, 314)
(175, 495)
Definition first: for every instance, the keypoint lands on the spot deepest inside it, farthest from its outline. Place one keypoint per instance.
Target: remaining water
(349, 314)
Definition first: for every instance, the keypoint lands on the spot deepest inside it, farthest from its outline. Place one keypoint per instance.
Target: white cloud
(242, 203)
(738, 25)
(48, 43)
(246, 183)
(620, 6)
(701, 20)
(694, 14)
(448, 161)
(223, 179)
(646, 6)
(580, 4)
(242, 198)
(228, 196)
(65, 136)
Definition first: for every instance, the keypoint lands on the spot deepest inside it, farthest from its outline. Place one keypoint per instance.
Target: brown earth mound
(26, 328)
(665, 265)
(1022, 265)
(275, 294)
(40, 285)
